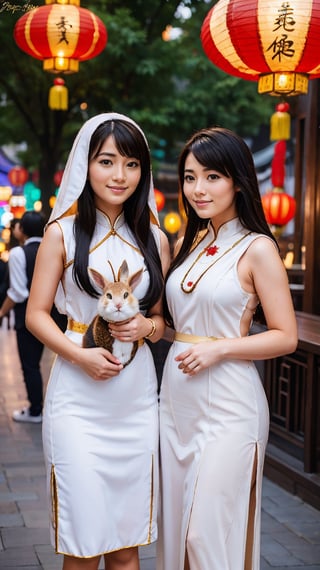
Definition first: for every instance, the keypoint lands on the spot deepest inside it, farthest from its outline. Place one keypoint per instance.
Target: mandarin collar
(104, 220)
(227, 229)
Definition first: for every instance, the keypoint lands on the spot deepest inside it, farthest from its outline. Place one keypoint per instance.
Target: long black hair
(220, 149)
(129, 142)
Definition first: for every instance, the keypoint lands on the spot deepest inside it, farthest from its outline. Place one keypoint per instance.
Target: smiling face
(113, 178)
(209, 193)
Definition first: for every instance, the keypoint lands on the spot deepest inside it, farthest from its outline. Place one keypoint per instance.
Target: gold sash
(193, 338)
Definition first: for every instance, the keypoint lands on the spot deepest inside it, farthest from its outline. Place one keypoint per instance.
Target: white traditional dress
(213, 426)
(101, 438)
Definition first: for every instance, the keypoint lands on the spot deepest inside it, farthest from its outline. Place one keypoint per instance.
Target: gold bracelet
(153, 330)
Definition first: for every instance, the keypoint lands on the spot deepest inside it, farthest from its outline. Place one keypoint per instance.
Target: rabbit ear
(123, 272)
(135, 279)
(98, 279)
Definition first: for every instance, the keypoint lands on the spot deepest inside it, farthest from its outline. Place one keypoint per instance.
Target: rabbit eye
(109, 296)
(125, 295)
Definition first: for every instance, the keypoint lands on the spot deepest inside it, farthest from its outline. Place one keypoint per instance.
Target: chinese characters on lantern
(283, 46)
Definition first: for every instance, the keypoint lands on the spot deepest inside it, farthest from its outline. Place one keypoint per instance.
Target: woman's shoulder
(66, 222)
(261, 244)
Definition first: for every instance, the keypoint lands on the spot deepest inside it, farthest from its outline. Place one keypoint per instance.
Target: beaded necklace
(208, 250)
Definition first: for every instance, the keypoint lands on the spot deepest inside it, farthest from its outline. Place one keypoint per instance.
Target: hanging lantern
(61, 34)
(172, 222)
(52, 201)
(37, 206)
(5, 193)
(279, 208)
(17, 206)
(160, 199)
(18, 176)
(270, 41)
(58, 95)
(35, 176)
(58, 177)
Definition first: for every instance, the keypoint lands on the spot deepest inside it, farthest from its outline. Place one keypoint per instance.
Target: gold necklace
(193, 284)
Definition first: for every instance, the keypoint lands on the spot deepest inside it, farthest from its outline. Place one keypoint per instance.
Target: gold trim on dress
(193, 284)
(151, 500)
(193, 338)
(111, 232)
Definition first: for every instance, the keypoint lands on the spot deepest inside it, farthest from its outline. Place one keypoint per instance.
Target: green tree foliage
(169, 87)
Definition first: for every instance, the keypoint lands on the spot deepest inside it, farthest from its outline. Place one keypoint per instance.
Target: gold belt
(193, 338)
(82, 328)
(76, 327)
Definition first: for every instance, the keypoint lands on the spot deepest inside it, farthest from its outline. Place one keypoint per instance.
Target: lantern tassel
(280, 123)
(58, 96)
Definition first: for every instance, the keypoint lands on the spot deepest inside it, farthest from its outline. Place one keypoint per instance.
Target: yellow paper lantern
(5, 193)
(52, 201)
(172, 222)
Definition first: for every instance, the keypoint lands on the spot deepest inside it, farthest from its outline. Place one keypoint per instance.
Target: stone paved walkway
(290, 528)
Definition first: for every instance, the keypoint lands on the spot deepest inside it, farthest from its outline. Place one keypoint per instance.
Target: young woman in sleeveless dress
(213, 410)
(100, 423)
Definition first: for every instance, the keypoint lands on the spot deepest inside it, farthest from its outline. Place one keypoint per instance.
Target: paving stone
(25, 536)
(15, 557)
(20, 567)
(36, 519)
(308, 530)
(14, 497)
(9, 520)
(48, 558)
(277, 554)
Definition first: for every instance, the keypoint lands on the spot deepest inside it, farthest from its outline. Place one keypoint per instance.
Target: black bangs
(128, 139)
(210, 156)
(129, 142)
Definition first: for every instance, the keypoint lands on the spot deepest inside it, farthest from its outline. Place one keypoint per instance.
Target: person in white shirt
(21, 266)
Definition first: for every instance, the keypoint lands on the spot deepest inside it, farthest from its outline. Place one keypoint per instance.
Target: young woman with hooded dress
(100, 420)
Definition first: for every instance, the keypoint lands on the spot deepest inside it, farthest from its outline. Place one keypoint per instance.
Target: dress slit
(251, 515)
(54, 505)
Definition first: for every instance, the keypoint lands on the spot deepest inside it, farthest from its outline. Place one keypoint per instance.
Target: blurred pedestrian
(4, 281)
(17, 236)
(21, 265)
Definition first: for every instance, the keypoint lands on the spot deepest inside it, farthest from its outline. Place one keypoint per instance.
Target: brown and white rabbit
(116, 304)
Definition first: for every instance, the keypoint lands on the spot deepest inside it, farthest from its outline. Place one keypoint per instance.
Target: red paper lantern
(18, 176)
(61, 34)
(58, 177)
(160, 199)
(270, 41)
(279, 207)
